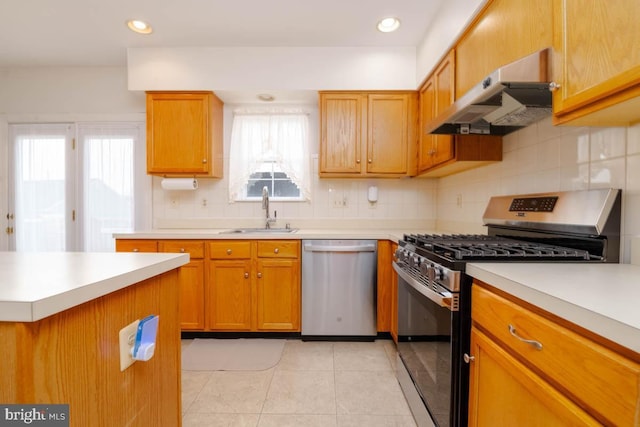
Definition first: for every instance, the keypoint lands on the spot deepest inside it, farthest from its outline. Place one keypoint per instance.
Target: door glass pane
(40, 191)
(108, 184)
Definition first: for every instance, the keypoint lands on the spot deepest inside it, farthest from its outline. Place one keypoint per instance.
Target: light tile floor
(314, 384)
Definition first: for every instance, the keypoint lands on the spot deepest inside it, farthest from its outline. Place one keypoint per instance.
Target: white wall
(271, 68)
(452, 17)
(543, 158)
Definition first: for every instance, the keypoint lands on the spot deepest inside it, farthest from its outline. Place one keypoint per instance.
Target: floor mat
(245, 354)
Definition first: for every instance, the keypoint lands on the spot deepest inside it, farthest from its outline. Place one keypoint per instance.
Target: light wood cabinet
(368, 134)
(441, 155)
(184, 134)
(191, 279)
(436, 94)
(385, 275)
(503, 32)
(597, 64)
(571, 378)
(254, 286)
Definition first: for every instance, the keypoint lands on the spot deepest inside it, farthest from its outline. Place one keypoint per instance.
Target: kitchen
(541, 157)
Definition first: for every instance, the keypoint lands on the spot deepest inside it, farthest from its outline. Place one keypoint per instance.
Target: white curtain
(107, 183)
(42, 196)
(280, 135)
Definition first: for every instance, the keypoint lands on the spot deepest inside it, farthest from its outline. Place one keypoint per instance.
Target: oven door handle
(443, 300)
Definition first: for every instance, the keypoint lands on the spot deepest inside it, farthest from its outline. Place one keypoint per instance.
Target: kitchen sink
(259, 230)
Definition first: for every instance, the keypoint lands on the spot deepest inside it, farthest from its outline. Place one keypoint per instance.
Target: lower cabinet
(234, 285)
(253, 286)
(531, 368)
(191, 279)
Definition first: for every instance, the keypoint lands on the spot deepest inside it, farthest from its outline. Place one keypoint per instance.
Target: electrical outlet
(459, 200)
(127, 341)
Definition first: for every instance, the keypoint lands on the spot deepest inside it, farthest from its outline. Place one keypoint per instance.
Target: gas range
(434, 292)
(575, 226)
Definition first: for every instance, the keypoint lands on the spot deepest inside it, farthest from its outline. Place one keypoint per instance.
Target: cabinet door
(596, 52)
(427, 113)
(444, 76)
(341, 130)
(435, 96)
(278, 294)
(388, 140)
(178, 133)
(229, 295)
(191, 280)
(503, 392)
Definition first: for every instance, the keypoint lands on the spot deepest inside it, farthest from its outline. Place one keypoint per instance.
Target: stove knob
(398, 254)
(434, 273)
(414, 261)
(424, 267)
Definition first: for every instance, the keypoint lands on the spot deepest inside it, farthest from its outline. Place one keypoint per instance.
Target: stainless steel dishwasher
(339, 289)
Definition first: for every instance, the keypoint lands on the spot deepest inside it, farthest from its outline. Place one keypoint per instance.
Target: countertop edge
(32, 311)
(607, 327)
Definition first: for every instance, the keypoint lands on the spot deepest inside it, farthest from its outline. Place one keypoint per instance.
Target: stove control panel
(533, 204)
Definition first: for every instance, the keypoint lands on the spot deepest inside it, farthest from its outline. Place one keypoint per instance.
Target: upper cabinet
(368, 134)
(597, 63)
(503, 32)
(184, 134)
(441, 155)
(436, 94)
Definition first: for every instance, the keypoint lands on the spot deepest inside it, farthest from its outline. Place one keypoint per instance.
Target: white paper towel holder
(171, 184)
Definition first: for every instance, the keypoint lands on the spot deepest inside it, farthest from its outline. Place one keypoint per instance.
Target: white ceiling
(93, 32)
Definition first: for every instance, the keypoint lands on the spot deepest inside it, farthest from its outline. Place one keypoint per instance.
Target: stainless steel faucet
(265, 206)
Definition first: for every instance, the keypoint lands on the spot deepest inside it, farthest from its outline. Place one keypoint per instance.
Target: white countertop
(36, 285)
(299, 234)
(603, 298)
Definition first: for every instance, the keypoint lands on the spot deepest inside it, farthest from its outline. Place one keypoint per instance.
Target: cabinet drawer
(278, 248)
(136, 246)
(229, 249)
(599, 379)
(194, 249)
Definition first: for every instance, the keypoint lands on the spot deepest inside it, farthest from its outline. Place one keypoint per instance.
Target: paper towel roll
(179, 184)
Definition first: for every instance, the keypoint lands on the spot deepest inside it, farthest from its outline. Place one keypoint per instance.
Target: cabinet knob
(259, 275)
(276, 250)
(246, 275)
(181, 250)
(553, 86)
(135, 250)
(358, 161)
(468, 359)
(229, 251)
(204, 160)
(370, 160)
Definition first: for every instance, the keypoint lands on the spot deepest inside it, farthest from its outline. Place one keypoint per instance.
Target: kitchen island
(60, 317)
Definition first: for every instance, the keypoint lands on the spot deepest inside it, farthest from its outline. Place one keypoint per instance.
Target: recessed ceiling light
(388, 25)
(266, 97)
(139, 27)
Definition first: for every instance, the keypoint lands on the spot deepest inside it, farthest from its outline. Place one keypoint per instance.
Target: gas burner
(504, 249)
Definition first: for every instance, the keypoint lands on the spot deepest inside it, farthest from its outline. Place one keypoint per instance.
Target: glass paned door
(108, 184)
(41, 194)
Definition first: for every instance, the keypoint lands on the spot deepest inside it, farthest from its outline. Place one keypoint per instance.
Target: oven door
(429, 348)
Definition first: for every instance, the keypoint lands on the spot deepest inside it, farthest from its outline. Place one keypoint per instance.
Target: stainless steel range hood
(510, 98)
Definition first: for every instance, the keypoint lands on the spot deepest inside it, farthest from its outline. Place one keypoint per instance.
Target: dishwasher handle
(309, 247)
